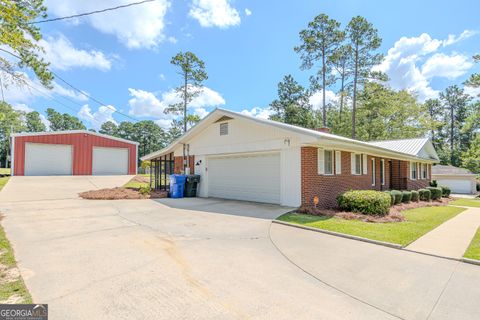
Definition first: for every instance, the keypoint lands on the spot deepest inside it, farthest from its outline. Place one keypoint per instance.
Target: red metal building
(77, 152)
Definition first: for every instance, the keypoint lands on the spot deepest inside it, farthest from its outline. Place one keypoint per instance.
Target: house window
(338, 162)
(356, 160)
(328, 161)
(224, 129)
(382, 172)
(413, 171)
(373, 171)
(424, 171)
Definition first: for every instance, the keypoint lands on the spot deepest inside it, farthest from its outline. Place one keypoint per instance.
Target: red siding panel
(82, 143)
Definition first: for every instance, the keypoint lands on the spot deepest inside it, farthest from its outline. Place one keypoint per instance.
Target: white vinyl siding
(338, 162)
(356, 163)
(373, 172)
(413, 171)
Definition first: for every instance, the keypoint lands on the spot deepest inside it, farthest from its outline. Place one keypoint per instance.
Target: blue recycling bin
(177, 185)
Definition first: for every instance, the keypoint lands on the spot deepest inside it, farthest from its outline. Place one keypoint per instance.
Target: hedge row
(365, 201)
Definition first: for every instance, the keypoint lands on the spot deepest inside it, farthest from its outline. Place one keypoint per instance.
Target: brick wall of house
(178, 165)
(328, 187)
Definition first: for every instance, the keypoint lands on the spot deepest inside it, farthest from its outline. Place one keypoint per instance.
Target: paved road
(208, 258)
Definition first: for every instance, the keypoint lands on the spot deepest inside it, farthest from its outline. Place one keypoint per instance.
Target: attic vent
(224, 129)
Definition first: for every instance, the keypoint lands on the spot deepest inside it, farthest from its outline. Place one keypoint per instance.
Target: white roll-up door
(457, 186)
(249, 177)
(48, 159)
(110, 161)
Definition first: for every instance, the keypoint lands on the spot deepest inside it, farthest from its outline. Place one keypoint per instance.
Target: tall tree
(34, 123)
(19, 37)
(61, 122)
(455, 101)
(150, 136)
(175, 131)
(364, 40)
(435, 113)
(474, 80)
(319, 41)
(109, 127)
(10, 121)
(292, 105)
(192, 71)
(341, 61)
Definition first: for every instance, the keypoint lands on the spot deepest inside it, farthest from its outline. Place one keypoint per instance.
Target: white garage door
(110, 161)
(457, 186)
(48, 159)
(253, 177)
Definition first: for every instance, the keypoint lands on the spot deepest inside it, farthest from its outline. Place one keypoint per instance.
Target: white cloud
(139, 26)
(316, 99)
(262, 113)
(214, 13)
(473, 92)
(32, 88)
(447, 66)
(146, 104)
(248, 12)
(97, 118)
(451, 39)
(62, 55)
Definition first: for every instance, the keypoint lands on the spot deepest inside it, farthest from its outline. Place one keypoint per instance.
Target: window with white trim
(373, 172)
(424, 170)
(382, 171)
(413, 171)
(356, 163)
(328, 161)
(338, 162)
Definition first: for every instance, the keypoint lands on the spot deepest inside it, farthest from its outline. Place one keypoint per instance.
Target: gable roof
(218, 113)
(409, 146)
(450, 170)
(46, 133)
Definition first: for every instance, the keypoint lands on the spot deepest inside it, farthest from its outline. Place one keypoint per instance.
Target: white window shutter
(365, 164)
(338, 162)
(411, 170)
(352, 162)
(321, 161)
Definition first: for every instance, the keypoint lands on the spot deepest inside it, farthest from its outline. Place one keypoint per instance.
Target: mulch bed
(120, 193)
(394, 215)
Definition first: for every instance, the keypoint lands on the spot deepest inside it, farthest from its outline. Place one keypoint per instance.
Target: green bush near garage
(365, 201)
(406, 196)
(415, 195)
(424, 194)
(436, 192)
(446, 191)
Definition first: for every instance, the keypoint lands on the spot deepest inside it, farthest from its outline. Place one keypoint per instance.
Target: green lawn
(3, 182)
(466, 203)
(4, 170)
(419, 221)
(7, 259)
(473, 250)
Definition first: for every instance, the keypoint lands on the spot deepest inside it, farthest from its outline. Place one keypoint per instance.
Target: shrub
(424, 194)
(415, 195)
(392, 197)
(406, 196)
(478, 186)
(365, 201)
(436, 192)
(445, 191)
(144, 190)
(398, 196)
(433, 183)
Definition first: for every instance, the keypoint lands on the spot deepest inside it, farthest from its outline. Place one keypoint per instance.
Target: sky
(122, 58)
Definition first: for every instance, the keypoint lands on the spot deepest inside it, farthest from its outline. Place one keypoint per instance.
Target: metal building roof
(409, 146)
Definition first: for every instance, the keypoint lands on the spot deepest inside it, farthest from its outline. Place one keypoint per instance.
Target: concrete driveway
(210, 258)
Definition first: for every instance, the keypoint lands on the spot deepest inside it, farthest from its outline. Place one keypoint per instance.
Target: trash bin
(177, 185)
(191, 185)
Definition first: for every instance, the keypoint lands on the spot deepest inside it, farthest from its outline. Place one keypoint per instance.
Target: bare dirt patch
(120, 193)
(140, 179)
(394, 214)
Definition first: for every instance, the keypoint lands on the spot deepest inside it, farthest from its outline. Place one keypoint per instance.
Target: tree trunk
(342, 88)
(451, 134)
(354, 105)
(185, 105)
(324, 70)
